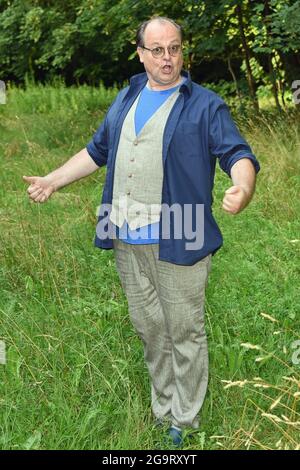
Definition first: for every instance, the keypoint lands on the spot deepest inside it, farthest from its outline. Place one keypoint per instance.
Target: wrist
(52, 181)
(247, 189)
(249, 192)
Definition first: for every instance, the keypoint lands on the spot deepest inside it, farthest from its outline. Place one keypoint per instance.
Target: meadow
(75, 376)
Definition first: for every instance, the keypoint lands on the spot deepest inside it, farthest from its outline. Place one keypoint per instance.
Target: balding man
(160, 140)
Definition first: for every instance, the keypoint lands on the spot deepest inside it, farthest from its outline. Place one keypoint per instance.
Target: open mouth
(167, 68)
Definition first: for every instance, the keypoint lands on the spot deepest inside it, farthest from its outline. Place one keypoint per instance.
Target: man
(160, 140)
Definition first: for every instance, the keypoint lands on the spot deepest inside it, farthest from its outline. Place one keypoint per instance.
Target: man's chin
(167, 79)
(164, 80)
(167, 76)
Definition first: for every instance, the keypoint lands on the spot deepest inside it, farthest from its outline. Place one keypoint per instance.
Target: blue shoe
(176, 436)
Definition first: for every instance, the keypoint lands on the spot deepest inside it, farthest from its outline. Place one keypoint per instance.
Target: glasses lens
(174, 50)
(158, 51)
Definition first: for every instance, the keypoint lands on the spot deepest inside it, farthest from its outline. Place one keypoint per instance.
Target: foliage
(88, 41)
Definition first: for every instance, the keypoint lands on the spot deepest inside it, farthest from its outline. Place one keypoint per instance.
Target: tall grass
(75, 377)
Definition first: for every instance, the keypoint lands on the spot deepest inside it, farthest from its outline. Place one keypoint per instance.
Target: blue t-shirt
(148, 104)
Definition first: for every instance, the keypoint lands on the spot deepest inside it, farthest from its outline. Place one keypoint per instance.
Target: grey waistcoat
(139, 169)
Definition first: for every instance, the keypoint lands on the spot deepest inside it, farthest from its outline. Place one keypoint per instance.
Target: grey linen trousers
(166, 307)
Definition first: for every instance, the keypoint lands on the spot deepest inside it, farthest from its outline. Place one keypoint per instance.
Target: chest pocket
(187, 127)
(186, 138)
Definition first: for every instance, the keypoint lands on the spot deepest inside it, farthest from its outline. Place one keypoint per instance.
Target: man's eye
(158, 50)
(174, 48)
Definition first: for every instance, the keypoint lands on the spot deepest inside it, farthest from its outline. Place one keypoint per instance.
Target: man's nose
(167, 54)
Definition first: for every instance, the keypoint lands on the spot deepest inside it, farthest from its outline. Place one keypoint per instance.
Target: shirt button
(128, 193)
(132, 159)
(130, 175)
(135, 142)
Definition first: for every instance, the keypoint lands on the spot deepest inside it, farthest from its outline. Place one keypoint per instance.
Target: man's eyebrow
(156, 42)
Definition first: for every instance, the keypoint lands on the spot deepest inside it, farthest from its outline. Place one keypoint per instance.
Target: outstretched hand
(40, 188)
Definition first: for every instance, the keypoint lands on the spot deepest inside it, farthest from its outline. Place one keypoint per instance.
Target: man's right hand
(78, 166)
(40, 188)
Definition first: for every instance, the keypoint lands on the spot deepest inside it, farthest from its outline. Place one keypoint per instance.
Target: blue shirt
(198, 132)
(148, 104)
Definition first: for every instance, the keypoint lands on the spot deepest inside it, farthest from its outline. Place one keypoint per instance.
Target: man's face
(164, 71)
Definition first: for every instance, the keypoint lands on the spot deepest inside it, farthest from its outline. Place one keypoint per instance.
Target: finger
(39, 198)
(36, 193)
(229, 200)
(232, 198)
(228, 207)
(44, 197)
(32, 188)
(29, 179)
(232, 190)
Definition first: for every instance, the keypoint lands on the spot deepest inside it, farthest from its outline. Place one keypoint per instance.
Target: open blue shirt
(199, 131)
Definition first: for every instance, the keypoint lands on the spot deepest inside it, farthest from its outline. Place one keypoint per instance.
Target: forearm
(78, 166)
(243, 174)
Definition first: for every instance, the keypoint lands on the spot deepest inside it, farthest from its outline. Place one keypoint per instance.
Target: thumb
(232, 190)
(29, 179)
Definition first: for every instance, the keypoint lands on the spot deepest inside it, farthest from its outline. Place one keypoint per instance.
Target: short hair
(162, 19)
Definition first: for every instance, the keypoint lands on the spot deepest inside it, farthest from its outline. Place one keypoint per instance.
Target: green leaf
(33, 442)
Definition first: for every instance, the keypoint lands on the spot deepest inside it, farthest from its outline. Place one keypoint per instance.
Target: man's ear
(140, 54)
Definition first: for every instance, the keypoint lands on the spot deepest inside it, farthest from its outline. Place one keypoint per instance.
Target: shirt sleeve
(98, 146)
(226, 142)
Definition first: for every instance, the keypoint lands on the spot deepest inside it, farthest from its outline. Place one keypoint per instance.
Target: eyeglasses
(160, 51)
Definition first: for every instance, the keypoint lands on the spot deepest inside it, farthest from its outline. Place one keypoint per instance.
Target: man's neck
(153, 87)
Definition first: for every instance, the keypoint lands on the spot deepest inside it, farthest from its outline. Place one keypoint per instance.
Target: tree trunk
(247, 55)
(273, 79)
(190, 55)
(282, 79)
(238, 93)
(272, 71)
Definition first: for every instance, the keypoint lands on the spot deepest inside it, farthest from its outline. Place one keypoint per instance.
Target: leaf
(259, 8)
(33, 442)
(263, 359)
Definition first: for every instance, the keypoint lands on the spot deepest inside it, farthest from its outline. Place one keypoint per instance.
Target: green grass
(75, 376)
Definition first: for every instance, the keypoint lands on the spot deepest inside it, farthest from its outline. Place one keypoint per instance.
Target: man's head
(163, 64)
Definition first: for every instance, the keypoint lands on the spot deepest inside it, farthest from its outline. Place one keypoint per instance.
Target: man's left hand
(235, 200)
